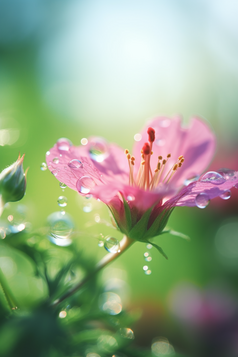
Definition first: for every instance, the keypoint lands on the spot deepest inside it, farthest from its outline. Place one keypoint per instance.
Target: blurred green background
(80, 68)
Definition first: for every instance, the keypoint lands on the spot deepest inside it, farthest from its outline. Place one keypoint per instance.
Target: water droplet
(226, 195)
(100, 243)
(43, 166)
(127, 333)
(236, 185)
(148, 259)
(62, 314)
(85, 184)
(160, 142)
(61, 228)
(88, 207)
(98, 149)
(47, 153)
(110, 303)
(202, 200)
(190, 180)
(137, 137)
(75, 164)
(148, 272)
(162, 347)
(149, 246)
(64, 144)
(54, 172)
(164, 123)
(112, 245)
(145, 267)
(56, 160)
(62, 185)
(84, 141)
(130, 198)
(213, 177)
(62, 201)
(226, 173)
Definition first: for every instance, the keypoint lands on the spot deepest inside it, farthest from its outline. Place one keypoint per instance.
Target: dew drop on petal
(98, 149)
(148, 272)
(137, 137)
(85, 184)
(63, 144)
(62, 185)
(226, 195)
(130, 198)
(75, 164)
(43, 166)
(112, 245)
(127, 333)
(47, 153)
(62, 201)
(236, 185)
(84, 141)
(213, 177)
(60, 228)
(56, 160)
(202, 200)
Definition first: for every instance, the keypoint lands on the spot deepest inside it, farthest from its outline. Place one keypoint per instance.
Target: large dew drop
(112, 245)
(202, 200)
(98, 149)
(60, 228)
(64, 144)
(56, 160)
(75, 164)
(226, 195)
(127, 333)
(213, 177)
(226, 173)
(85, 184)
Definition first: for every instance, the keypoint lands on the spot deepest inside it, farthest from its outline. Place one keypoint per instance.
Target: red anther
(146, 149)
(151, 133)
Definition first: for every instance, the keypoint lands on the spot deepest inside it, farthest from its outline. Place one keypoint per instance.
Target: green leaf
(127, 213)
(138, 232)
(178, 234)
(159, 249)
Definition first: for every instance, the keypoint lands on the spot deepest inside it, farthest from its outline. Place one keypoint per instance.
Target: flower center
(146, 178)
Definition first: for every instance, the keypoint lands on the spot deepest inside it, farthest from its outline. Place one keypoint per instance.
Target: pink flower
(142, 189)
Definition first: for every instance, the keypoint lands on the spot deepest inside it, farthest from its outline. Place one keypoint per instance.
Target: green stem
(1, 205)
(124, 244)
(6, 291)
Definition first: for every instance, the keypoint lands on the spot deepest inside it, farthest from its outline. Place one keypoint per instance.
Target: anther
(180, 157)
(168, 156)
(160, 157)
(126, 151)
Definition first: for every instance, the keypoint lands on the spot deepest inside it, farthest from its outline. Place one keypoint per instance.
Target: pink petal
(196, 143)
(71, 165)
(188, 196)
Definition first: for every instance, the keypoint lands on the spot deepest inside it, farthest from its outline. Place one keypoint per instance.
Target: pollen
(146, 177)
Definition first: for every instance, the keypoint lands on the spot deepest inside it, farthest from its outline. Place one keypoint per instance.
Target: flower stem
(6, 291)
(1, 205)
(124, 244)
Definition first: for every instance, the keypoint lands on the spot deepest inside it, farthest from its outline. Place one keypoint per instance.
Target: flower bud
(13, 182)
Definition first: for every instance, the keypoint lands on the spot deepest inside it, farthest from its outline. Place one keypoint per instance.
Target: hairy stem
(124, 244)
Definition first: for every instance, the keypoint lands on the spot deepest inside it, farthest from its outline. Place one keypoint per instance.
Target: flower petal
(196, 143)
(188, 195)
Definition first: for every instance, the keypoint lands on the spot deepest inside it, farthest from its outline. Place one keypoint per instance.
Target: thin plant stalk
(124, 244)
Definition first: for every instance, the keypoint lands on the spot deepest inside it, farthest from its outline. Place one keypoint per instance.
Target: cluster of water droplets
(216, 178)
(148, 258)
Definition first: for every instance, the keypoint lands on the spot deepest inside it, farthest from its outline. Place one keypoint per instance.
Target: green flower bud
(13, 182)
